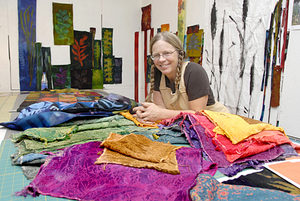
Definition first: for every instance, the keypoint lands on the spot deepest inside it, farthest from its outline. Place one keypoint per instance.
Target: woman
(176, 85)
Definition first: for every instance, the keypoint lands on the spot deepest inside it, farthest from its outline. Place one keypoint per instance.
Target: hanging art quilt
(118, 71)
(146, 18)
(63, 24)
(61, 76)
(165, 27)
(108, 70)
(181, 19)
(235, 65)
(81, 78)
(27, 39)
(81, 51)
(46, 62)
(39, 65)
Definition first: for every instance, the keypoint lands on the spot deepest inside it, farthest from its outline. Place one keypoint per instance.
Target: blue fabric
(48, 114)
(30, 157)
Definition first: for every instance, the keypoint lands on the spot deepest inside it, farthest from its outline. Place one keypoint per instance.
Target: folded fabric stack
(234, 142)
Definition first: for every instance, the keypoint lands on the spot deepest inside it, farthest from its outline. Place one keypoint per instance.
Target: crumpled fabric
(252, 145)
(46, 134)
(28, 159)
(208, 188)
(236, 128)
(129, 116)
(94, 131)
(138, 151)
(72, 174)
(48, 114)
(199, 132)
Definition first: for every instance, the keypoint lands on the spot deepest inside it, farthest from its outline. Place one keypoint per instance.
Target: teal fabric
(208, 188)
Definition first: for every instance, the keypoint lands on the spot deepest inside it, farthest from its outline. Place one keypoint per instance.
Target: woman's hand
(148, 113)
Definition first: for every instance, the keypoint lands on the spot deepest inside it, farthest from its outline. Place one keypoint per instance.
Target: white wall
(290, 109)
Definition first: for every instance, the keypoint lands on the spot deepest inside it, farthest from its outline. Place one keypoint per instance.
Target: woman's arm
(152, 112)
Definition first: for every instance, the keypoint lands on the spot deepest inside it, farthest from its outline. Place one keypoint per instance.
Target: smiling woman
(177, 85)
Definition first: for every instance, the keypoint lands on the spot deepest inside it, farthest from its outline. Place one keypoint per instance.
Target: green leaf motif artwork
(107, 34)
(97, 54)
(108, 71)
(63, 24)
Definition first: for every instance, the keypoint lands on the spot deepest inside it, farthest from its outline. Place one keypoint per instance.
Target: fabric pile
(99, 151)
(233, 143)
(72, 173)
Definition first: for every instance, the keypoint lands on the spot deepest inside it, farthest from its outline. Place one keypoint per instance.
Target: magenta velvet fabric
(72, 174)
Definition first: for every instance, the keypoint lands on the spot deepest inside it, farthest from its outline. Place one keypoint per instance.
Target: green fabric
(45, 134)
(92, 120)
(33, 146)
(112, 124)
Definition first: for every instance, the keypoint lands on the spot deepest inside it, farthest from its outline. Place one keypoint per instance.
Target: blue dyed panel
(27, 39)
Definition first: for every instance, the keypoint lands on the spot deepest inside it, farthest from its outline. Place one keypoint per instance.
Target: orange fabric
(138, 151)
(129, 116)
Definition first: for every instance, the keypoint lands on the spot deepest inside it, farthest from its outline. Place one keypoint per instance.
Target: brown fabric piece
(275, 95)
(251, 121)
(138, 151)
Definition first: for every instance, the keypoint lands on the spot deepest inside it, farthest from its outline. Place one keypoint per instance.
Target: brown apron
(182, 102)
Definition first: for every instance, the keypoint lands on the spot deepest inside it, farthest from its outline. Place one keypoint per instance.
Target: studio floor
(7, 104)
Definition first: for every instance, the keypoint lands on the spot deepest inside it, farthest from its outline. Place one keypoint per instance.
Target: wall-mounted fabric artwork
(234, 52)
(39, 65)
(146, 18)
(27, 39)
(165, 27)
(295, 21)
(107, 45)
(108, 70)
(118, 71)
(194, 42)
(46, 60)
(97, 79)
(136, 66)
(81, 50)
(93, 32)
(97, 54)
(63, 24)
(61, 76)
(181, 19)
(149, 64)
(81, 78)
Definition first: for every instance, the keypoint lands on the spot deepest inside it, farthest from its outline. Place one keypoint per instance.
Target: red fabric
(145, 61)
(252, 145)
(136, 66)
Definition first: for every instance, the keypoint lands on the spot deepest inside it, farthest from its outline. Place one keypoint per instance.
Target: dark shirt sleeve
(197, 83)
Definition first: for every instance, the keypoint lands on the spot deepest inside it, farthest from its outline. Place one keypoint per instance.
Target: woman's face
(168, 64)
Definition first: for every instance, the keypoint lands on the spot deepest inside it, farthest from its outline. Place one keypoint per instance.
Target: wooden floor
(7, 108)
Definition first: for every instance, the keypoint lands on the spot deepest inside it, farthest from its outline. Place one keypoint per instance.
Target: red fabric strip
(145, 61)
(136, 66)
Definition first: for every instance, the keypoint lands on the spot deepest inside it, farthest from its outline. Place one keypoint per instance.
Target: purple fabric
(72, 174)
(192, 126)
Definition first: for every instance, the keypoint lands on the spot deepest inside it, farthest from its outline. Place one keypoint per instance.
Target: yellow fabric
(129, 116)
(235, 127)
(138, 151)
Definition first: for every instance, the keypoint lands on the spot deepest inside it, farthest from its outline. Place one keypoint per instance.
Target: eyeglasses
(164, 55)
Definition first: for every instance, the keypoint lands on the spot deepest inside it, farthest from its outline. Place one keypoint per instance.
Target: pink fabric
(72, 174)
(255, 144)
